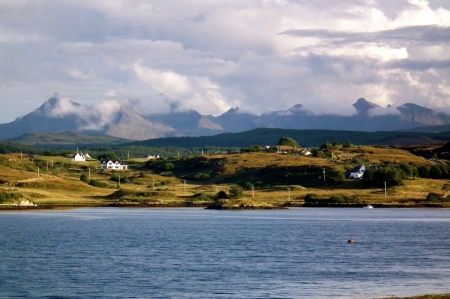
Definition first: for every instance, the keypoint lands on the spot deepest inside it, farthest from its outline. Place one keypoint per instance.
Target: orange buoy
(351, 241)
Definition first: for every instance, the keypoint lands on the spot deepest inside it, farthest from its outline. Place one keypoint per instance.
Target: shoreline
(442, 296)
(6, 208)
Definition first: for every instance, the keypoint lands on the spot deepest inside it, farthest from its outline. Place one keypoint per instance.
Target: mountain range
(128, 122)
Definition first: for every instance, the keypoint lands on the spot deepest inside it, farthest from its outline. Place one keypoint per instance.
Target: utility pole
(324, 174)
(184, 185)
(384, 188)
(253, 192)
(89, 172)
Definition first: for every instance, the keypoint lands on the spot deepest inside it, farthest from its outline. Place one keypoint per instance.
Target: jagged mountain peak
(128, 120)
(414, 108)
(295, 109)
(362, 105)
(49, 107)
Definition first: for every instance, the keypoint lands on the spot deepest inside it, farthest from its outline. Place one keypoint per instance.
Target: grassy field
(278, 180)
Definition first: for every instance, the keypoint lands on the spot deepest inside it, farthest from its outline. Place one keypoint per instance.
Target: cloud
(378, 111)
(210, 56)
(92, 117)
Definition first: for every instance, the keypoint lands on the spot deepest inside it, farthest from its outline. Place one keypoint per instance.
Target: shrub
(249, 186)
(98, 184)
(166, 173)
(123, 179)
(311, 197)
(288, 141)
(434, 197)
(435, 172)
(222, 195)
(446, 187)
(236, 191)
(169, 166)
(84, 178)
(201, 176)
(336, 174)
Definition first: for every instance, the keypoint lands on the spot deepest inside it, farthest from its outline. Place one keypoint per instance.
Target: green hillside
(66, 140)
(306, 138)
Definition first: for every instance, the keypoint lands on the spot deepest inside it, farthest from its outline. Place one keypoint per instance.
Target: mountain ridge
(126, 121)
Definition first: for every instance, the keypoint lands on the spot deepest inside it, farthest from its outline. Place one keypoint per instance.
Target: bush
(249, 186)
(311, 197)
(201, 176)
(435, 172)
(166, 173)
(342, 199)
(336, 174)
(434, 197)
(236, 191)
(446, 187)
(288, 141)
(98, 184)
(84, 178)
(123, 179)
(169, 166)
(201, 196)
(222, 195)
(392, 176)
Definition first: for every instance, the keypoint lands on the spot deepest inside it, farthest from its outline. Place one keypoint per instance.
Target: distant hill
(306, 138)
(68, 139)
(58, 115)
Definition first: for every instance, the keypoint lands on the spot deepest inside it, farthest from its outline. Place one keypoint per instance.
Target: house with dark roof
(357, 172)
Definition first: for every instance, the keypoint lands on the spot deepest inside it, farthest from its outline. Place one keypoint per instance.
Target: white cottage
(79, 157)
(357, 172)
(109, 164)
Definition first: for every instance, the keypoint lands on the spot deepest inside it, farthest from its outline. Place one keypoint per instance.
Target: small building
(357, 172)
(113, 165)
(152, 157)
(80, 157)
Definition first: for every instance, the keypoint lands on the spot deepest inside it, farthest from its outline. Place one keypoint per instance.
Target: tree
(236, 191)
(336, 174)
(424, 171)
(249, 186)
(169, 166)
(222, 195)
(392, 176)
(334, 143)
(347, 144)
(288, 141)
(326, 145)
(435, 172)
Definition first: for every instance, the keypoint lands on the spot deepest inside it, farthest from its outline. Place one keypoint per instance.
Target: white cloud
(377, 111)
(213, 55)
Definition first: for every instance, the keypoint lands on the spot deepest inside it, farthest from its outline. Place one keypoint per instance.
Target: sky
(210, 56)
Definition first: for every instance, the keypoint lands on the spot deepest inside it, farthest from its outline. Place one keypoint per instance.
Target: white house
(152, 157)
(357, 172)
(109, 164)
(80, 157)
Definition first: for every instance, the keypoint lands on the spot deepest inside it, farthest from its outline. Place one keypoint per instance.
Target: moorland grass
(271, 175)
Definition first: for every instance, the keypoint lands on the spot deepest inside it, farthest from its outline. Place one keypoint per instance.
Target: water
(196, 253)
